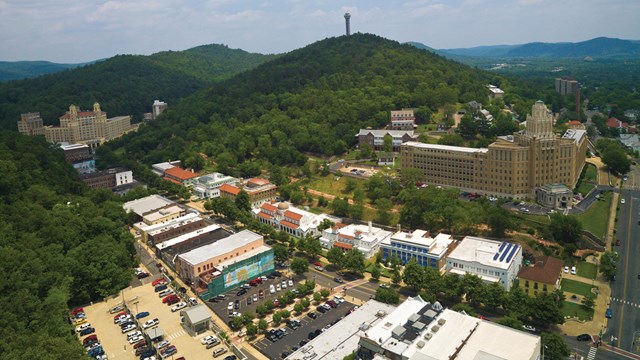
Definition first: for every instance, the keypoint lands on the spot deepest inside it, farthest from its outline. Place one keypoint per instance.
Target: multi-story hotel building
(513, 166)
(76, 126)
(419, 245)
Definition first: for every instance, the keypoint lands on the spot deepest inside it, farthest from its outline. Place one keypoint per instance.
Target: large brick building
(513, 166)
(77, 126)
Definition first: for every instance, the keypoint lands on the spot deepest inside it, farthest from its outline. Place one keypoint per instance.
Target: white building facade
(492, 261)
(297, 222)
(208, 186)
(365, 238)
(428, 251)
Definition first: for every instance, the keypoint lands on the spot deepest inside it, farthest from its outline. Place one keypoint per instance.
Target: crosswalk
(175, 335)
(592, 353)
(625, 302)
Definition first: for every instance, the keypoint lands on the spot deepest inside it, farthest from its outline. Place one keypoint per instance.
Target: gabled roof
(179, 173)
(546, 270)
(269, 207)
(292, 215)
(230, 189)
(288, 224)
(615, 123)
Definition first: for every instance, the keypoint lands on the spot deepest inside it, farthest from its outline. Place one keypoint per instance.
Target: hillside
(17, 70)
(600, 47)
(313, 99)
(124, 84)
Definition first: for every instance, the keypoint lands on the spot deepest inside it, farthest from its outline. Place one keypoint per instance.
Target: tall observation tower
(347, 16)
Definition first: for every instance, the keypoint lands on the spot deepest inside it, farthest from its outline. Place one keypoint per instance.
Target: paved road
(625, 291)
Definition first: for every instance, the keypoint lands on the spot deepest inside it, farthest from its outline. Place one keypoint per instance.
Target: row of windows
(210, 265)
(478, 270)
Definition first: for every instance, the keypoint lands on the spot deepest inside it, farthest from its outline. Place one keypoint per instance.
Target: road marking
(626, 266)
(592, 353)
(176, 334)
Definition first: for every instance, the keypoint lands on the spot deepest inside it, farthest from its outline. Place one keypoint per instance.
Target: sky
(74, 31)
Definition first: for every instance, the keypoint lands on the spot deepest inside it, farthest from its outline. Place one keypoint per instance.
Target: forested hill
(124, 84)
(60, 244)
(313, 99)
(16, 70)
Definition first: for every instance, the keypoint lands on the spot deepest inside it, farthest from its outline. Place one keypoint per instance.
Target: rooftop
(230, 189)
(437, 245)
(67, 147)
(157, 215)
(187, 236)
(383, 132)
(146, 204)
(488, 252)
(219, 247)
(574, 134)
(546, 270)
(179, 173)
(367, 233)
(198, 313)
(158, 228)
(342, 339)
(445, 147)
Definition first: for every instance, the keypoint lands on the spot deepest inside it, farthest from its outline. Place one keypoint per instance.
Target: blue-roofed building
(492, 261)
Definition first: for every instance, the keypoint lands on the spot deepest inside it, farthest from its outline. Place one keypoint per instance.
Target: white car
(134, 334)
(193, 301)
(150, 323)
(255, 298)
(165, 292)
(128, 328)
(178, 306)
(290, 283)
(162, 344)
(566, 269)
(622, 201)
(284, 284)
(135, 339)
(573, 270)
(122, 319)
(272, 289)
(230, 306)
(278, 287)
(207, 339)
(82, 327)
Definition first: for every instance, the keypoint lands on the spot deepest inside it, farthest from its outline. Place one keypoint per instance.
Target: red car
(276, 303)
(317, 263)
(90, 338)
(157, 282)
(261, 294)
(172, 301)
(76, 310)
(169, 298)
(140, 344)
(119, 314)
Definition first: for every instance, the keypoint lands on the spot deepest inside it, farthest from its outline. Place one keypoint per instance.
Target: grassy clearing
(591, 173)
(596, 219)
(585, 188)
(576, 310)
(385, 272)
(329, 185)
(587, 270)
(576, 287)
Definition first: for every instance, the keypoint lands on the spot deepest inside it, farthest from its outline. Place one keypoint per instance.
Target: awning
(343, 245)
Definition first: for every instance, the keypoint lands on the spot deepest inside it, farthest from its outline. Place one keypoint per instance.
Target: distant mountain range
(17, 70)
(601, 47)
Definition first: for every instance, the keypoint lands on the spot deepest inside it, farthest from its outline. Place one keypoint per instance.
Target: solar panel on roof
(504, 253)
(504, 243)
(495, 257)
(513, 252)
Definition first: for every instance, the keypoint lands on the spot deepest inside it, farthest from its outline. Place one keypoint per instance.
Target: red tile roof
(292, 215)
(344, 236)
(269, 207)
(615, 123)
(265, 216)
(229, 189)
(343, 245)
(258, 181)
(574, 122)
(172, 180)
(290, 225)
(546, 270)
(179, 173)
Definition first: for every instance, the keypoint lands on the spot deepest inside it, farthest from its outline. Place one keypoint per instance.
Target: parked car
(150, 323)
(116, 308)
(87, 331)
(231, 357)
(142, 314)
(608, 314)
(237, 305)
(159, 281)
(312, 315)
(290, 283)
(219, 351)
(319, 268)
(165, 292)
(134, 334)
(90, 338)
(207, 338)
(255, 297)
(162, 344)
(317, 263)
(338, 279)
(79, 321)
(193, 301)
(135, 339)
(241, 292)
(212, 343)
(128, 328)
(261, 294)
(179, 306)
(566, 269)
(584, 337)
(170, 350)
(139, 345)
(82, 327)
(529, 328)
(276, 303)
(573, 270)
(230, 306)
(169, 298)
(143, 275)
(321, 309)
(160, 288)
(272, 289)
(284, 284)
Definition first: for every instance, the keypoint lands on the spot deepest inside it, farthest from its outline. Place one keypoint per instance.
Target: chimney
(399, 227)
(370, 227)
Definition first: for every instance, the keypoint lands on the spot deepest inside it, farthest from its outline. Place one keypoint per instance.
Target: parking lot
(220, 308)
(143, 299)
(274, 350)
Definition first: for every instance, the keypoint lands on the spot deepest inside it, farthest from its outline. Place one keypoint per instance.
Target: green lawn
(591, 173)
(576, 287)
(596, 219)
(587, 270)
(585, 188)
(573, 309)
(385, 272)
